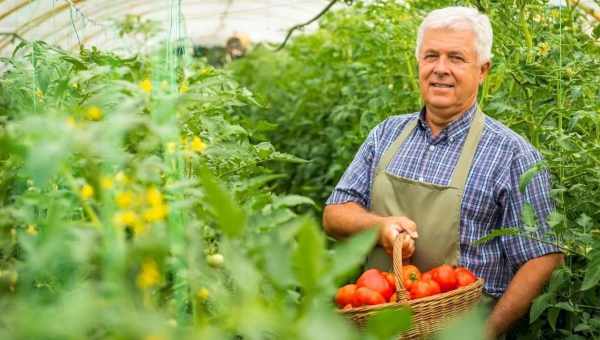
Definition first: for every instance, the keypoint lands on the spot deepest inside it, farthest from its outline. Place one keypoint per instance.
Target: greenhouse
(300, 169)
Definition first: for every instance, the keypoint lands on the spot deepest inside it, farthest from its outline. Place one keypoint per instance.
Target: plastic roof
(66, 23)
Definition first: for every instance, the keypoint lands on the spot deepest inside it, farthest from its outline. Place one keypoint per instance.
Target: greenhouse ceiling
(69, 23)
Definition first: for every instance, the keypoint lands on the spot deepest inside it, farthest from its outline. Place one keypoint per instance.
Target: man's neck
(437, 120)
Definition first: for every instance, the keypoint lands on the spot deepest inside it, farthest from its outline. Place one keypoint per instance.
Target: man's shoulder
(504, 137)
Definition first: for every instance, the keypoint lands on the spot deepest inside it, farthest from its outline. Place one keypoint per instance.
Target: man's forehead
(462, 40)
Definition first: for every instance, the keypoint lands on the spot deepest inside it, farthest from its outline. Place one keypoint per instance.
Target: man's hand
(391, 227)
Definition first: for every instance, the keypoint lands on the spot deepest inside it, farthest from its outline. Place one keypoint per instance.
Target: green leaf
(592, 272)
(349, 254)
(568, 306)
(389, 323)
(528, 175)
(292, 201)
(308, 255)
(469, 326)
(555, 220)
(230, 217)
(497, 233)
(584, 221)
(529, 218)
(540, 304)
(552, 317)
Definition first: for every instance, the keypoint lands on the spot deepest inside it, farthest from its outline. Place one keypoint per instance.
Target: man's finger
(411, 230)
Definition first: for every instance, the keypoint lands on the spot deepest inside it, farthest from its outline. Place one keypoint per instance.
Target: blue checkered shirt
(491, 199)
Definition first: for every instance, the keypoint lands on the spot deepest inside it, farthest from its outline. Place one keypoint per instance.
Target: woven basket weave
(429, 314)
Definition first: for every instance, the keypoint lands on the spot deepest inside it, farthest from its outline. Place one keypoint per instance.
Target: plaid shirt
(491, 199)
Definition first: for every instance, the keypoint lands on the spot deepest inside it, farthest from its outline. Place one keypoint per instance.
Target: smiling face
(449, 73)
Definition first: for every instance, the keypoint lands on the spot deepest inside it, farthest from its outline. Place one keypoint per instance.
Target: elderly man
(450, 173)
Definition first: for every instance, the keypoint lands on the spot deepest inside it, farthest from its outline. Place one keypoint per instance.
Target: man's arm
(345, 219)
(523, 288)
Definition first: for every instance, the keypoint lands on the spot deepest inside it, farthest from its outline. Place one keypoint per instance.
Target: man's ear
(484, 70)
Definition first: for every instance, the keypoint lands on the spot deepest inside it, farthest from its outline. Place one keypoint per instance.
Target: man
(449, 175)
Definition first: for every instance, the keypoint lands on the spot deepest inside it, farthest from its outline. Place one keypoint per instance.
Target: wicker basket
(429, 313)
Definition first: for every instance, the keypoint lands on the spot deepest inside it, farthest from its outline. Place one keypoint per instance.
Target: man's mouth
(442, 85)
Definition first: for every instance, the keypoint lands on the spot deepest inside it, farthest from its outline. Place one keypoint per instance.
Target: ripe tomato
(422, 289)
(426, 276)
(410, 275)
(374, 280)
(444, 275)
(390, 279)
(464, 277)
(367, 296)
(393, 298)
(345, 295)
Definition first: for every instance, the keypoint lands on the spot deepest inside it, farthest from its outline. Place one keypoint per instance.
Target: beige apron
(434, 208)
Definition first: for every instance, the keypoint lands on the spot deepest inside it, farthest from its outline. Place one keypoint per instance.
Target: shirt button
(431, 148)
(451, 139)
(420, 179)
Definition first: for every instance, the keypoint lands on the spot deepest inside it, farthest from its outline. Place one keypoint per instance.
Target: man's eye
(457, 58)
(430, 56)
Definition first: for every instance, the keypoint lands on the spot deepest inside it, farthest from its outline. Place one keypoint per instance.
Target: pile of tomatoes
(375, 287)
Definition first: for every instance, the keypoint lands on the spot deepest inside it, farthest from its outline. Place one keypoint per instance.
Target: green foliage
(336, 84)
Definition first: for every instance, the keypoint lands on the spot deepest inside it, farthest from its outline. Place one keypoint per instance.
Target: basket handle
(397, 262)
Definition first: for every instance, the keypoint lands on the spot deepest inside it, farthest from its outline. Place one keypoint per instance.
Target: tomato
(390, 279)
(434, 287)
(426, 276)
(422, 289)
(345, 295)
(444, 275)
(374, 280)
(367, 296)
(410, 275)
(464, 277)
(394, 298)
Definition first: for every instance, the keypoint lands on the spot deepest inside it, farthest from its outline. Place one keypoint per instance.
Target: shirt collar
(455, 129)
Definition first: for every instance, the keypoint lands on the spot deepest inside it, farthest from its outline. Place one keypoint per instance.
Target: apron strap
(463, 166)
(391, 151)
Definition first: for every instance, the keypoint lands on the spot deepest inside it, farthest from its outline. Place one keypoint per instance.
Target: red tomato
(420, 289)
(426, 276)
(374, 280)
(444, 275)
(464, 277)
(345, 295)
(410, 275)
(367, 296)
(434, 287)
(390, 279)
(393, 298)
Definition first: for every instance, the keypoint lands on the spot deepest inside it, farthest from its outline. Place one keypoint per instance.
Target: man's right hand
(391, 227)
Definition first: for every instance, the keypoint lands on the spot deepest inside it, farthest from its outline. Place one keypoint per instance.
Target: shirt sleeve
(355, 184)
(520, 249)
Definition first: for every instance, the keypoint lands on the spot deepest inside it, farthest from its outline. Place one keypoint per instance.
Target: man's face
(449, 71)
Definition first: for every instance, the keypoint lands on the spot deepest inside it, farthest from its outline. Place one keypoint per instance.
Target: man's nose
(441, 66)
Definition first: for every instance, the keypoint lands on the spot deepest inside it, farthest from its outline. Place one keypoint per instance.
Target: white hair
(456, 18)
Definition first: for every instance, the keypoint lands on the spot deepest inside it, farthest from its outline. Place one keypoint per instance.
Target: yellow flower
(31, 230)
(106, 183)
(171, 147)
(71, 122)
(153, 196)
(121, 177)
(139, 229)
(544, 49)
(202, 294)
(124, 199)
(149, 275)
(197, 145)
(156, 213)
(184, 88)
(93, 113)
(145, 85)
(39, 93)
(86, 191)
(126, 218)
